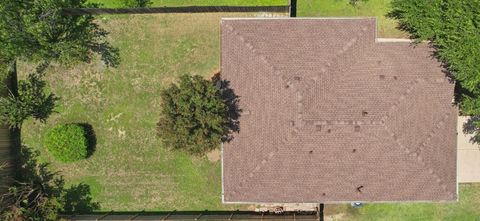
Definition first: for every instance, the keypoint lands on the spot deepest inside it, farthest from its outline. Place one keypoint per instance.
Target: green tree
(194, 116)
(137, 3)
(40, 31)
(453, 28)
(31, 101)
(40, 194)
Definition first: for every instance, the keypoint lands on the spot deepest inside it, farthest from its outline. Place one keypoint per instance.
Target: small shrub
(67, 143)
(137, 3)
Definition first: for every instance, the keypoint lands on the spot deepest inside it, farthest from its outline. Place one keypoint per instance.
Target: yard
(130, 168)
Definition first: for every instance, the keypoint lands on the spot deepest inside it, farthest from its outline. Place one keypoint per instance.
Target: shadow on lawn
(231, 100)
(36, 184)
(91, 138)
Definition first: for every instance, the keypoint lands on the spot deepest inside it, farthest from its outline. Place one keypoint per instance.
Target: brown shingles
(331, 110)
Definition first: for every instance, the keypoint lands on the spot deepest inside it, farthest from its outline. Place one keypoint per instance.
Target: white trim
(346, 201)
(221, 160)
(388, 40)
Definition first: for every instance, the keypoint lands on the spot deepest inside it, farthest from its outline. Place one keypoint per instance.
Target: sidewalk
(468, 156)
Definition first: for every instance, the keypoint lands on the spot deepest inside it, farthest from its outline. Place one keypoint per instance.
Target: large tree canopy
(38, 30)
(453, 27)
(194, 115)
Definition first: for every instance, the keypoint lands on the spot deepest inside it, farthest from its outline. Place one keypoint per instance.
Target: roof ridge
(251, 48)
(335, 59)
(284, 139)
(409, 151)
(298, 123)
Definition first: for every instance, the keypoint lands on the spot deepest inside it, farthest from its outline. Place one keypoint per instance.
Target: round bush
(67, 143)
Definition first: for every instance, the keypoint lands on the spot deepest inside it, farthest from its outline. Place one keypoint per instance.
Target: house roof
(330, 114)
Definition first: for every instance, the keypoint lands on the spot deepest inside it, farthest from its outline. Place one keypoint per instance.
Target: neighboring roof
(329, 114)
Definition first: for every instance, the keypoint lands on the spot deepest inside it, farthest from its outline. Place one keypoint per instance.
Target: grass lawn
(173, 3)
(305, 8)
(386, 28)
(130, 169)
(467, 209)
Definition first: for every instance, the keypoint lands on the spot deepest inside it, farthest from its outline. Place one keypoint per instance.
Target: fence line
(7, 141)
(197, 215)
(186, 9)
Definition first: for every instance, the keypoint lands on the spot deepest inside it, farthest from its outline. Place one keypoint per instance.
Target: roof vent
(310, 152)
(354, 150)
(328, 131)
(359, 189)
(357, 128)
(395, 77)
(364, 113)
(297, 78)
(382, 77)
(318, 128)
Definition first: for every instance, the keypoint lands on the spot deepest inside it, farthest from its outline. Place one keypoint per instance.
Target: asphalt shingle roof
(329, 114)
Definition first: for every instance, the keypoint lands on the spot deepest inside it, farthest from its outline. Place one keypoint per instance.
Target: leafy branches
(137, 3)
(31, 101)
(40, 194)
(194, 115)
(40, 31)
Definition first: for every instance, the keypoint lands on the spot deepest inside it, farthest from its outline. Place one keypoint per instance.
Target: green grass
(172, 3)
(131, 169)
(466, 209)
(340, 8)
(305, 8)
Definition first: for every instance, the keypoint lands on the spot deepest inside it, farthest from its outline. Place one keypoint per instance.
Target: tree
(40, 31)
(452, 27)
(31, 101)
(40, 194)
(194, 116)
(137, 3)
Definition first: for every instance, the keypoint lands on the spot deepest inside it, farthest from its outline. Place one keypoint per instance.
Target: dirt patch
(214, 155)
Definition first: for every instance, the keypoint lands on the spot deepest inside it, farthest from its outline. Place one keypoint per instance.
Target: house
(331, 113)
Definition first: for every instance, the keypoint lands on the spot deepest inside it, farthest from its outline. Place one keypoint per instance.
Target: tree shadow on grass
(231, 100)
(36, 184)
(78, 200)
(91, 138)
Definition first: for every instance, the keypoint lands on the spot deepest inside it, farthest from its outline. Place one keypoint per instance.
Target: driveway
(468, 170)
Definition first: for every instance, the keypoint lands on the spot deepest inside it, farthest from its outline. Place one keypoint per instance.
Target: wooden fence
(186, 9)
(6, 148)
(198, 215)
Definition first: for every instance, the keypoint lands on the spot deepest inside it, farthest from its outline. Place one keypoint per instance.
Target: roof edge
(298, 18)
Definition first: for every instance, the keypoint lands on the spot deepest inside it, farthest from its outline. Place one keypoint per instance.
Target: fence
(186, 9)
(7, 142)
(198, 215)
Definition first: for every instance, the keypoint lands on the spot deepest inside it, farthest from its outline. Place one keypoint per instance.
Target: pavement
(468, 155)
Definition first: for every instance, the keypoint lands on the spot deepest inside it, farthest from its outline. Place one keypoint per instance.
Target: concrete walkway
(468, 170)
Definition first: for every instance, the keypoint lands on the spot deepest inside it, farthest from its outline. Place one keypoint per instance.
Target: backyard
(130, 169)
